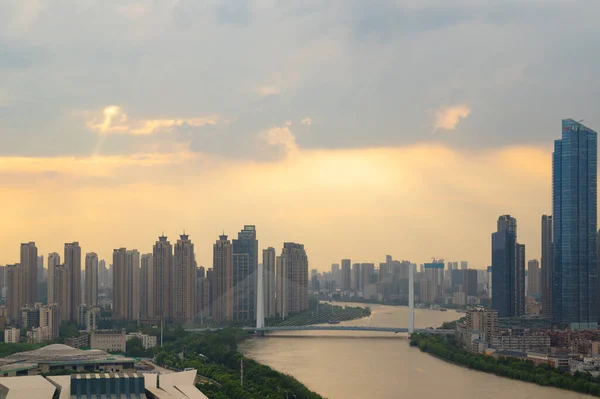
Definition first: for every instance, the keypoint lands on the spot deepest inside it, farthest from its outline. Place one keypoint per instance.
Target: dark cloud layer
(367, 73)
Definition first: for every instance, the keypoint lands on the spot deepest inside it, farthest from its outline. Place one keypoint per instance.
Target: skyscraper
(184, 281)
(126, 288)
(346, 283)
(245, 264)
(162, 258)
(91, 279)
(119, 310)
(519, 294)
(133, 284)
(356, 277)
(53, 261)
(534, 278)
(146, 287)
(464, 265)
(547, 262)
(222, 280)
(73, 264)
(40, 269)
(295, 261)
(62, 289)
(269, 283)
(574, 208)
(13, 296)
(103, 275)
(28, 274)
(508, 279)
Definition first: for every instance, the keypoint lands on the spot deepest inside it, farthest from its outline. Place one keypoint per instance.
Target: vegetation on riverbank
(214, 355)
(324, 313)
(448, 348)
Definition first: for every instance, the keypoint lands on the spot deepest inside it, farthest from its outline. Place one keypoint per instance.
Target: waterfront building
(245, 265)
(574, 211)
(269, 281)
(293, 285)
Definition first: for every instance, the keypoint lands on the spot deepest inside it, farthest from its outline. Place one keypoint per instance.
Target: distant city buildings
(534, 278)
(547, 262)
(91, 279)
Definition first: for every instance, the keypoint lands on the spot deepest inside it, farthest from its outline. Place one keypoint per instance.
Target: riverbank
(446, 348)
(215, 355)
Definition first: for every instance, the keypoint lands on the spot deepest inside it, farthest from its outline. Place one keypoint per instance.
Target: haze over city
(357, 129)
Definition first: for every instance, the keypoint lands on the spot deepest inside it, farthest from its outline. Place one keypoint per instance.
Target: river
(347, 364)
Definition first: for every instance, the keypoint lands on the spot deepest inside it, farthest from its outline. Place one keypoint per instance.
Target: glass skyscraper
(508, 269)
(574, 204)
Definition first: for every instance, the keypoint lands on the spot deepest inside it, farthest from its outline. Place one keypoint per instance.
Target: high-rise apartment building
(62, 290)
(184, 281)
(508, 280)
(367, 271)
(355, 279)
(72, 262)
(133, 284)
(223, 280)
(469, 282)
(13, 296)
(336, 274)
(294, 263)
(28, 273)
(119, 269)
(282, 288)
(269, 281)
(53, 261)
(534, 278)
(91, 279)
(464, 265)
(162, 258)
(146, 287)
(574, 212)
(40, 269)
(520, 281)
(346, 283)
(245, 264)
(103, 274)
(547, 262)
(126, 294)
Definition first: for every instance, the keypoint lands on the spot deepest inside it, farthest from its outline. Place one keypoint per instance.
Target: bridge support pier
(411, 298)
(260, 302)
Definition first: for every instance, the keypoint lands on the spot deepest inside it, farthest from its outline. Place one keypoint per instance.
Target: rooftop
(58, 353)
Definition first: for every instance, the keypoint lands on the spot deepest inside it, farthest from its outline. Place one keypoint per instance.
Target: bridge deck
(335, 328)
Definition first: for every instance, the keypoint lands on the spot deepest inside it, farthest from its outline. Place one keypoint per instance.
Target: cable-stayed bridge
(316, 323)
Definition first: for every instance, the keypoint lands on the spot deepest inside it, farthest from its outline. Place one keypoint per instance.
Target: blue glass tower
(574, 208)
(508, 272)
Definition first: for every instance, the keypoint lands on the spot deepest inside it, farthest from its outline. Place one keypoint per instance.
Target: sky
(357, 128)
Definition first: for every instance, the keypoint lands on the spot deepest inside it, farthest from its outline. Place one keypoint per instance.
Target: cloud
(281, 139)
(447, 118)
(115, 121)
(267, 90)
(306, 121)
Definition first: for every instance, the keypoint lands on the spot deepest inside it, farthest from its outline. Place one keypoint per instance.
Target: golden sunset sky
(359, 130)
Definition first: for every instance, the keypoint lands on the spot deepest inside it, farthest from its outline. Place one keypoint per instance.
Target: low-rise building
(79, 342)
(57, 357)
(148, 341)
(12, 335)
(521, 340)
(109, 340)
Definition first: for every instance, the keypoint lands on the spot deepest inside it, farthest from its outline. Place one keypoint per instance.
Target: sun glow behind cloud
(373, 201)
